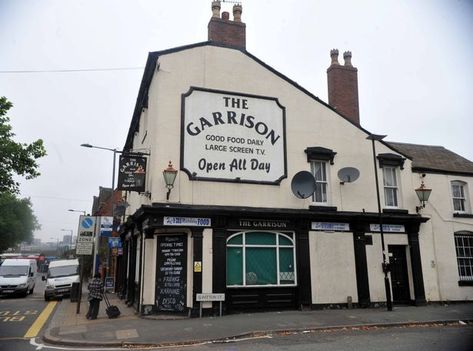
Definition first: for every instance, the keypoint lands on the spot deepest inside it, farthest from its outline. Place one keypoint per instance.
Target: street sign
(109, 283)
(106, 226)
(85, 236)
(208, 297)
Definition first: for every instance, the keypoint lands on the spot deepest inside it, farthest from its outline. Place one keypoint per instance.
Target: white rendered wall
(149, 271)
(308, 123)
(437, 238)
(332, 267)
(207, 264)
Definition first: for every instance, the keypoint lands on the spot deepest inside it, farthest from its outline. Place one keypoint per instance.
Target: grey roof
(436, 159)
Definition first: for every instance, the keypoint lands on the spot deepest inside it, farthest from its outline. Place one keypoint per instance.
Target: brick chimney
(343, 87)
(223, 30)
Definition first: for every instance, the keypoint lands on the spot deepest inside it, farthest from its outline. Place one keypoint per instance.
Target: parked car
(17, 276)
(60, 277)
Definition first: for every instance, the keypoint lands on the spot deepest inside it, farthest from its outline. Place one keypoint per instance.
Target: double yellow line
(39, 322)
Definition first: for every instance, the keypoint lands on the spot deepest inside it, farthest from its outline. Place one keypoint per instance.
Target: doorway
(399, 276)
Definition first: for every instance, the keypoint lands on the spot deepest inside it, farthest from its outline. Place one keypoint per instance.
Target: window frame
(324, 183)
(290, 236)
(463, 199)
(395, 189)
(460, 237)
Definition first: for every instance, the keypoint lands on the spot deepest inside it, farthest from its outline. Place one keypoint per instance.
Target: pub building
(234, 214)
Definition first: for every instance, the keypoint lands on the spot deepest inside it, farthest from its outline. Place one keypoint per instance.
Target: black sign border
(191, 175)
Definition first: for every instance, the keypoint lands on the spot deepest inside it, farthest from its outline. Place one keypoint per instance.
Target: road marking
(40, 346)
(39, 322)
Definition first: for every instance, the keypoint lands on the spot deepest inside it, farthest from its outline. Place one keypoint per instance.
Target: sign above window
(187, 221)
(233, 137)
(330, 226)
(388, 228)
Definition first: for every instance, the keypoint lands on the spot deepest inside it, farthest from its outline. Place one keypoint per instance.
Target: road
(21, 318)
(432, 338)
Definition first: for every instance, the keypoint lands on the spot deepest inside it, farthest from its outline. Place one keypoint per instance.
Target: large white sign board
(233, 137)
(85, 235)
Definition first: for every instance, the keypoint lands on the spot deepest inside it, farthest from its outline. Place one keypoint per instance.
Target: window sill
(463, 215)
(465, 283)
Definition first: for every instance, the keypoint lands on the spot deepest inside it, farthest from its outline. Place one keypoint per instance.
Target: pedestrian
(95, 296)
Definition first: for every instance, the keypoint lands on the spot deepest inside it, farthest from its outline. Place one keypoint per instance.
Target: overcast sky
(414, 60)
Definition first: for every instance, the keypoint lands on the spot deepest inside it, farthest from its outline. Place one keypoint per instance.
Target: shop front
(268, 259)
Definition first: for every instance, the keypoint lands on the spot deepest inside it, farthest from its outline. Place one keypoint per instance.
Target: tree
(17, 221)
(15, 158)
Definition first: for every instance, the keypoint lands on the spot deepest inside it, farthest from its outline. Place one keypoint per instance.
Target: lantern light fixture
(423, 193)
(169, 175)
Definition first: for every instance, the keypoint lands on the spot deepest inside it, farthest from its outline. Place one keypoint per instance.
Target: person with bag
(95, 296)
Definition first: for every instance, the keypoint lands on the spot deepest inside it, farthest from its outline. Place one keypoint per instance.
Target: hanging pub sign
(132, 173)
(233, 137)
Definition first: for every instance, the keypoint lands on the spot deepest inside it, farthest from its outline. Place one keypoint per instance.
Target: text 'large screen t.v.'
(171, 273)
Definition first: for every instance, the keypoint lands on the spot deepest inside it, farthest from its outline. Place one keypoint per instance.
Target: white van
(17, 276)
(61, 275)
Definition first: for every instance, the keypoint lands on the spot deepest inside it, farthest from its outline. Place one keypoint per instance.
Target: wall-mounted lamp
(169, 177)
(423, 194)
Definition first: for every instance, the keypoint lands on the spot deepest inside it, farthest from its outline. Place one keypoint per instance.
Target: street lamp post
(385, 265)
(115, 152)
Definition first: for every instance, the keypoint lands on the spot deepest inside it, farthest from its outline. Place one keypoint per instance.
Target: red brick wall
(227, 32)
(343, 91)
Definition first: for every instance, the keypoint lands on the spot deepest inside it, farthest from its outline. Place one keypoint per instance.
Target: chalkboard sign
(171, 273)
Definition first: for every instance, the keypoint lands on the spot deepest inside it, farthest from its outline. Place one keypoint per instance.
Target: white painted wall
(207, 264)
(308, 123)
(149, 271)
(332, 267)
(437, 239)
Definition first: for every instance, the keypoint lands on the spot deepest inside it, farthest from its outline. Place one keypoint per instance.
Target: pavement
(66, 327)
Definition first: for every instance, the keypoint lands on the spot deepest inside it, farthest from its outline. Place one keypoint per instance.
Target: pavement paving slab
(69, 328)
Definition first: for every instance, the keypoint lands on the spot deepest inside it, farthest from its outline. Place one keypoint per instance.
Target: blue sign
(87, 222)
(114, 242)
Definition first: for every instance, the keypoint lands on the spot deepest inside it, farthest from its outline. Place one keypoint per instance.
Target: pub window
(391, 164)
(459, 192)
(320, 159)
(390, 186)
(319, 170)
(260, 258)
(464, 249)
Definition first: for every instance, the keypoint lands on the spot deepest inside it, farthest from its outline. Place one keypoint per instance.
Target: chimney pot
(347, 58)
(216, 9)
(224, 31)
(334, 56)
(237, 10)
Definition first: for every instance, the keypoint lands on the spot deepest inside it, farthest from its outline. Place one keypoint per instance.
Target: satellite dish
(303, 184)
(348, 174)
